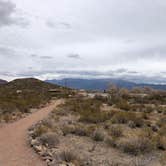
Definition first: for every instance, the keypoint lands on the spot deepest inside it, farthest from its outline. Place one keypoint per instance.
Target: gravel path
(14, 149)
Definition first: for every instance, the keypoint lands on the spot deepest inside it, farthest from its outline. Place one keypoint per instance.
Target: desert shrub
(146, 132)
(154, 127)
(98, 135)
(115, 163)
(131, 124)
(160, 142)
(139, 161)
(80, 131)
(48, 122)
(70, 157)
(94, 117)
(78, 105)
(119, 117)
(101, 98)
(123, 104)
(7, 117)
(148, 109)
(162, 121)
(163, 159)
(88, 109)
(39, 130)
(67, 129)
(61, 111)
(111, 141)
(116, 131)
(162, 130)
(144, 115)
(49, 139)
(136, 145)
(125, 117)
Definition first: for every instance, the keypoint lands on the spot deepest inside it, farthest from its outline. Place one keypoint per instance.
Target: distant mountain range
(3, 81)
(101, 84)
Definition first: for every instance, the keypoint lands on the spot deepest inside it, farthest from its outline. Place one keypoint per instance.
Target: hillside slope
(20, 95)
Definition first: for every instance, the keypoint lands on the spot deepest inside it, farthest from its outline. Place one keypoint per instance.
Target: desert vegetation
(127, 129)
(19, 96)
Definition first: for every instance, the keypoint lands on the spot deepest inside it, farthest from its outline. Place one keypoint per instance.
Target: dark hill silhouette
(3, 81)
(22, 94)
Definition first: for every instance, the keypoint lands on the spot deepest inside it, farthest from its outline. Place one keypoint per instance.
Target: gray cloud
(58, 25)
(7, 14)
(74, 56)
(34, 55)
(114, 38)
(46, 57)
(6, 51)
(7, 8)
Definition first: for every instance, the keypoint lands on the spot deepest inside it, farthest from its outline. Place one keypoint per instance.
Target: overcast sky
(83, 38)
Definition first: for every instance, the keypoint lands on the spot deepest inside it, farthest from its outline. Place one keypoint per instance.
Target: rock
(38, 148)
(154, 128)
(47, 158)
(62, 164)
(34, 142)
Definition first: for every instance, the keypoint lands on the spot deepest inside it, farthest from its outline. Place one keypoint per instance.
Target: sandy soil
(14, 148)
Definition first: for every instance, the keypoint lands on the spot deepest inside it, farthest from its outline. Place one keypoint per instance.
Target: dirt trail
(14, 149)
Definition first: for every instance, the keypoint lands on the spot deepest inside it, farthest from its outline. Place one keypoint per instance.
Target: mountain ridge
(3, 81)
(102, 84)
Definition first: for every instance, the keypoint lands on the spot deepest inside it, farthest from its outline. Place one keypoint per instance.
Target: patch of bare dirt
(14, 148)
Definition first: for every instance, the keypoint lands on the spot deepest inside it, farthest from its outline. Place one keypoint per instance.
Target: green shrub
(80, 131)
(160, 142)
(70, 157)
(125, 117)
(162, 130)
(124, 105)
(136, 145)
(162, 121)
(39, 130)
(131, 124)
(111, 141)
(98, 136)
(116, 131)
(67, 130)
(49, 139)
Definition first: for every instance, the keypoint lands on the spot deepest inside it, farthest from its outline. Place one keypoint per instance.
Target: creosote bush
(39, 130)
(49, 139)
(70, 157)
(136, 145)
(111, 141)
(98, 135)
(116, 131)
(125, 117)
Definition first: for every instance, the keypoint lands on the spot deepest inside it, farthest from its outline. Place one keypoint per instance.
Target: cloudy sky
(83, 38)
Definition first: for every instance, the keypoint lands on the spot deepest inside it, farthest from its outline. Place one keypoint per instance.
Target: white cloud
(108, 35)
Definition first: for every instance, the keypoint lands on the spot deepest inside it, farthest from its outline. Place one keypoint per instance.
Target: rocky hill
(20, 95)
(3, 81)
